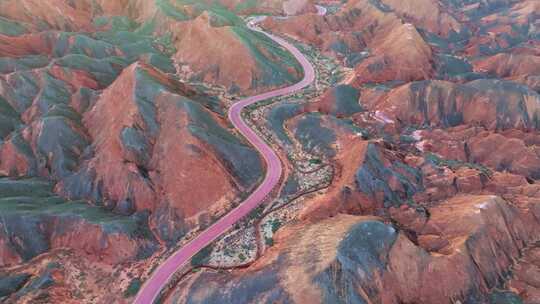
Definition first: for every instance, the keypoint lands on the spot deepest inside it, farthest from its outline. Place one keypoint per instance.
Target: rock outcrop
(35, 220)
(263, 65)
(365, 35)
(494, 104)
(349, 259)
(152, 147)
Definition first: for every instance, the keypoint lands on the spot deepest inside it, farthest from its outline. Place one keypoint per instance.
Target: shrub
(202, 256)
(133, 288)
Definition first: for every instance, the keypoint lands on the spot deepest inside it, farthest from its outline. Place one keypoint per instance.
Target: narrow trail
(162, 275)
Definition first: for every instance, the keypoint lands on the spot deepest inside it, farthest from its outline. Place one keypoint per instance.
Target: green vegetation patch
(456, 164)
(32, 187)
(244, 162)
(11, 28)
(246, 5)
(203, 256)
(133, 288)
(277, 116)
(9, 118)
(373, 175)
(9, 65)
(11, 283)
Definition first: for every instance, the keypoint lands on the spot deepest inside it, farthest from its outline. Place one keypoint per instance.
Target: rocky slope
(411, 167)
(493, 104)
(208, 39)
(355, 259)
(365, 35)
(181, 23)
(103, 149)
(273, 7)
(205, 51)
(35, 220)
(432, 134)
(154, 157)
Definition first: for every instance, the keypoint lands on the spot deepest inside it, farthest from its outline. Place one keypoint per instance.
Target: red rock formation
(198, 50)
(341, 195)
(450, 168)
(200, 56)
(95, 245)
(106, 122)
(388, 62)
(504, 65)
(148, 156)
(396, 50)
(56, 14)
(449, 104)
(518, 67)
(497, 151)
(513, 151)
(466, 255)
(499, 27)
(426, 14)
(464, 248)
(526, 274)
(13, 161)
(23, 45)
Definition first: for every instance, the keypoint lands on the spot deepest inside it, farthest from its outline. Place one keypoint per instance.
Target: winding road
(161, 276)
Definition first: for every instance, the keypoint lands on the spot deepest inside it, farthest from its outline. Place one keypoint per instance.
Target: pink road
(161, 276)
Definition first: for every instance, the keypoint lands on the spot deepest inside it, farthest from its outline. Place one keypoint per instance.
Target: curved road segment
(161, 276)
